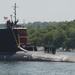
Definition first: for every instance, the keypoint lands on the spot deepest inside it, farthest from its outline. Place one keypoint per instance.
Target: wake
(51, 57)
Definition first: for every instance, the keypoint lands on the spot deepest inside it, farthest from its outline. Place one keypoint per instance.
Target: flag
(5, 18)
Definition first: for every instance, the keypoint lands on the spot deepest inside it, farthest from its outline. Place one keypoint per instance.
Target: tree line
(59, 34)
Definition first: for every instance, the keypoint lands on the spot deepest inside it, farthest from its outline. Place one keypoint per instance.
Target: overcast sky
(38, 10)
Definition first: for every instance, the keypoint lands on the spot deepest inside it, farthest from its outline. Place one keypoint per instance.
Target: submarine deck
(35, 56)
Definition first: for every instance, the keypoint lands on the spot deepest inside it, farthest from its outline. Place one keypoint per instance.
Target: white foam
(23, 49)
(50, 57)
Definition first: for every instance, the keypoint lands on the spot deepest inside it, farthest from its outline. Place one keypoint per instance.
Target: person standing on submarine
(53, 49)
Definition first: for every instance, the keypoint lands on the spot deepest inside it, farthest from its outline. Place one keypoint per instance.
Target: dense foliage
(59, 34)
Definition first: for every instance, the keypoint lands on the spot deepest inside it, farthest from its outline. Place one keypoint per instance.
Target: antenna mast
(15, 11)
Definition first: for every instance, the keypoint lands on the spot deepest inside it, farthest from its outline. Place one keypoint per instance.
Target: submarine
(13, 40)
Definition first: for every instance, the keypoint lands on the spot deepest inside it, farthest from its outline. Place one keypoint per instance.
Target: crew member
(53, 50)
(8, 23)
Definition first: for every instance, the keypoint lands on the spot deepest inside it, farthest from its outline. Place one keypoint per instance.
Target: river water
(38, 68)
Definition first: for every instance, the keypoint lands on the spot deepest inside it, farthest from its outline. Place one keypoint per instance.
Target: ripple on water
(36, 68)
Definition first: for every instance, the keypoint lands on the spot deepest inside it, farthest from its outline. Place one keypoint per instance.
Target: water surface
(38, 68)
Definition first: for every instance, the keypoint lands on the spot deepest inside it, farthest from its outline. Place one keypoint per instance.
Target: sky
(38, 10)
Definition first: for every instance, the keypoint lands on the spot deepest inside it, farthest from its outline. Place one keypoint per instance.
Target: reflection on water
(37, 68)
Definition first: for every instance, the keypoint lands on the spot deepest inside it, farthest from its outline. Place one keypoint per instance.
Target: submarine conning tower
(9, 40)
(12, 38)
(10, 35)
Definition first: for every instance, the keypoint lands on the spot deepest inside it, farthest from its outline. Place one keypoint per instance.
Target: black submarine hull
(8, 41)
